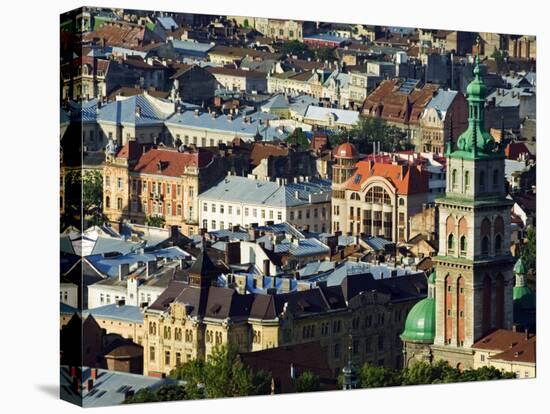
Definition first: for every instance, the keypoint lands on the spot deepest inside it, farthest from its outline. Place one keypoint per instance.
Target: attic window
(357, 178)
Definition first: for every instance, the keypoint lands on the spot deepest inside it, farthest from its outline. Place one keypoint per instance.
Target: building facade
(376, 198)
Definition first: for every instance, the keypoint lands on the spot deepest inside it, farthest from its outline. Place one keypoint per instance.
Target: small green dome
(476, 88)
(524, 297)
(431, 278)
(420, 322)
(519, 267)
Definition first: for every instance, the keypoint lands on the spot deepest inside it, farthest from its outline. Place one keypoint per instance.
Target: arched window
(463, 245)
(498, 244)
(450, 243)
(467, 181)
(495, 178)
(108, 202)
(401, 201)
(485, 246)
(482, 180)
(453, 179)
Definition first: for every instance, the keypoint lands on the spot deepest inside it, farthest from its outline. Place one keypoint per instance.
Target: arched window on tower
(496, 176)
(482, 180)
(498, 244)
(454, 179)
(485, 246)
(499, 234)
(467, 181)
(463, 245)
(450, 243)
(485, 233)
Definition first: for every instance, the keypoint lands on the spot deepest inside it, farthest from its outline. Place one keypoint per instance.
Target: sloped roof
(265, 193)
(136, 110)
(406, 179)
(171, 163)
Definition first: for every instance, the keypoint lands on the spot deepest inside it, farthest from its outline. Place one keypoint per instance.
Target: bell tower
(474, 264)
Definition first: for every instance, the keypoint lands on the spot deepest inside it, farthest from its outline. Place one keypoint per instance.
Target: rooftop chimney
(123, 270)
(151, 268)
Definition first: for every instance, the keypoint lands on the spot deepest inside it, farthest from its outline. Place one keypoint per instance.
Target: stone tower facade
(474, 279)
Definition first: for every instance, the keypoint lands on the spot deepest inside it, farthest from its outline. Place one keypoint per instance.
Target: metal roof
(223, 123)
(265, 193)
(126, 313)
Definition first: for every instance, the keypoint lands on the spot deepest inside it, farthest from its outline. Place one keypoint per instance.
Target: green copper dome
(476, 88)
(420, 323)
(524, 297)
(519, 267)
(475, 142)
(431, 278)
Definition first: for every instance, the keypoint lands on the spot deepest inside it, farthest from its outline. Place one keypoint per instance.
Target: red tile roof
(514, 149)
(123, 34)
(261, 150)
(388, 103)
(500, 340)
(171, 163)
(524, 351)
(406, 179)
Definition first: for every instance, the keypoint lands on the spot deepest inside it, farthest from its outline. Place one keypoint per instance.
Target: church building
(471, 289)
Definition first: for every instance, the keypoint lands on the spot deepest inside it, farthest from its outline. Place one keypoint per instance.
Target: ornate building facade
(376, 198)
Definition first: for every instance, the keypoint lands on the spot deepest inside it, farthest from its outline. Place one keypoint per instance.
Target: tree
(155, 221)
(372, 376)
(374, 130)
(296, 48)
(528, 251)
(299, 138)
(246, 23)
(308, 382)
(323, 53)
(171, 392)
(221, 375)
(425, 373)
(83, 195)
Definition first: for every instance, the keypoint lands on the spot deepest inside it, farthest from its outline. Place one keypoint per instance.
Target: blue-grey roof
(191, 46)
(342, 116)
(66, 309)
(377, 243)
(277, 102)
(314, 268)
(300, 103)
(335, 276)
(265, 193)
(85, 244)
(326, 37)
(64, 118)
(509, 97)
(126, 313)
(83, 111)
(342, 78)
(296, 248)
(267, 282)
(124, 111)
(128, 52)
(110, 386)
(167, 22)
(110, 265)
(442, 101)
(222, 123)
